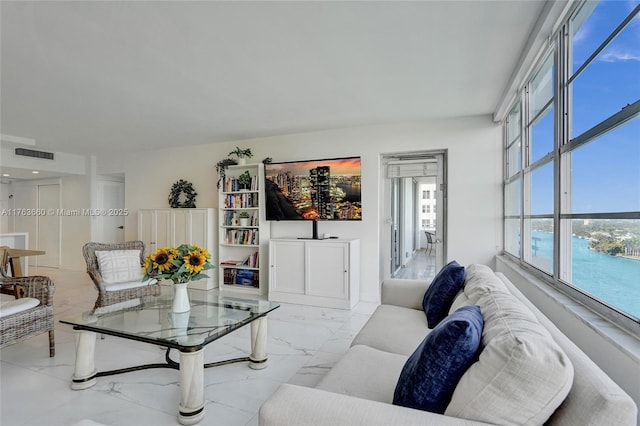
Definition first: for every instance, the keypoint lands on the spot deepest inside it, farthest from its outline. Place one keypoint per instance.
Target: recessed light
(35, 172)
(6, 175)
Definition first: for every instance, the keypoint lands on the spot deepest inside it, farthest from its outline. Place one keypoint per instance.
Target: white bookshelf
(243, 248)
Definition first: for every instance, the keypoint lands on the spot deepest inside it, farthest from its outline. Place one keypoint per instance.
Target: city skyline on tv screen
(314, 190)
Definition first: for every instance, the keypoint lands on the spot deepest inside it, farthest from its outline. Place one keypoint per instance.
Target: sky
(606, 171)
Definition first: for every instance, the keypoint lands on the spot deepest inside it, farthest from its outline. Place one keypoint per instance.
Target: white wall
(75, 193)
(475, 175)
(74, 230)
(4, 204)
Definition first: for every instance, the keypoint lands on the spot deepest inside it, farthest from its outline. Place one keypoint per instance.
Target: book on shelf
(251, 261)
(243, 277)
(242, 236)
(232, 184)
(232, 262)
(231, 218)
(241, 200)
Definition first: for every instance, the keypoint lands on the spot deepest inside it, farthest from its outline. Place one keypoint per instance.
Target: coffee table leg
(84, 375)
(258, 357)
(191, 408)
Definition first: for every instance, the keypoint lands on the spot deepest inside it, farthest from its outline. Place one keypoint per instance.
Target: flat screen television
(314, 190)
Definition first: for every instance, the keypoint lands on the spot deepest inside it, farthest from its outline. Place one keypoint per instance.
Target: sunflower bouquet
(181, 264)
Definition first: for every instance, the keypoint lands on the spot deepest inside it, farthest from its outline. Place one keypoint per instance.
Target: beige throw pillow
(118, 266)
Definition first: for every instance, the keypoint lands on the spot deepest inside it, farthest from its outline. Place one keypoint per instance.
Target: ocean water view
(613, 279)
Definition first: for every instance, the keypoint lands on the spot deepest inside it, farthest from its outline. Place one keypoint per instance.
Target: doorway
(414, 208)
(110, 197)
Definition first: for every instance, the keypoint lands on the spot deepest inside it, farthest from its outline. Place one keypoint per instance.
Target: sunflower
(194, 261)
(162, 259)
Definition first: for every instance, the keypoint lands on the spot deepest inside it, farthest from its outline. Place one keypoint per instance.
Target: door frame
(385, 206)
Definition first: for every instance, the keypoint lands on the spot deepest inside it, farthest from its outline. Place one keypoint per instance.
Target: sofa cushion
(358, 373)
(459, 301)
(118, 266)
(479, 280)
(440, 294)
(432, 372)
(393, 329)
(521, 375)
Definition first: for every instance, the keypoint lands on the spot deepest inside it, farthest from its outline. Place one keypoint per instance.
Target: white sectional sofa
(549, 380)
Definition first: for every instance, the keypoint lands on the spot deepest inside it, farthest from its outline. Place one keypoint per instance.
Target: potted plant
(245, 180)
(242, 154)
(244, 218)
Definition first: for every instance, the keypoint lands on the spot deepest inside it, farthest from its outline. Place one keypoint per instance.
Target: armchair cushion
(11, 307)
(126, 285)
(118, 266)
(431, 373)
(440, 294)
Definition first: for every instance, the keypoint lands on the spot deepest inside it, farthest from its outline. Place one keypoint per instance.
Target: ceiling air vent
(35, 154)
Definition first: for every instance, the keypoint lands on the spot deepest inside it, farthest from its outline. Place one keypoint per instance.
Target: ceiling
(95, 77)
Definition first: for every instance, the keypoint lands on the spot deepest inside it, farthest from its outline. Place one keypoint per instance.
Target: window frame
(559, 47)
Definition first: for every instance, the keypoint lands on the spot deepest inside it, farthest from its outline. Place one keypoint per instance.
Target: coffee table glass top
(151, 320)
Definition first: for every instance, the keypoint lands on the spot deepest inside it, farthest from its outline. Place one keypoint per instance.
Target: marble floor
(422, 266)
(304, 342)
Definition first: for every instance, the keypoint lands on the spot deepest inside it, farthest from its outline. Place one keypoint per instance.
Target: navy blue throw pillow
(432, 372)
(443, 289)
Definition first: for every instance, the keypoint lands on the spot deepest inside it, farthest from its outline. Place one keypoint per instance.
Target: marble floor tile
(303, 343)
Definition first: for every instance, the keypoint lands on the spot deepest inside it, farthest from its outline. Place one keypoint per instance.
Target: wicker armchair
(109, 296)
(30, 322)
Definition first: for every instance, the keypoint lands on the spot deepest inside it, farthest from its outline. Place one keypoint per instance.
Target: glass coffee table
(149, 319)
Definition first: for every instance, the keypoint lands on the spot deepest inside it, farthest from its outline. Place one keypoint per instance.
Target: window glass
(512, 233)
(514, 158)
(605, 261)
(593, 24)
(514, 163)
(541, 88)
(512, 214)
(541, 243)
(542, 135)
(608, 83)
(542, 190)
(605, 173)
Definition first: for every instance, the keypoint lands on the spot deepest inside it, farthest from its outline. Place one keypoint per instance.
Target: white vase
(244, 221)
(181, 298)
(242, 161)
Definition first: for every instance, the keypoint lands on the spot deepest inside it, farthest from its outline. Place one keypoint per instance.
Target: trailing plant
(221, 168)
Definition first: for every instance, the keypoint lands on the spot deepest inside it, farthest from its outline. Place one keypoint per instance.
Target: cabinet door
(146, 230)
(287, 267)
(199, 228)
(180, 227)
(162, 235)
(327, 269)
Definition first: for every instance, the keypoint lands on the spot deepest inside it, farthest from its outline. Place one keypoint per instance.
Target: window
(424, 209)
(572, 171)
(424, 195)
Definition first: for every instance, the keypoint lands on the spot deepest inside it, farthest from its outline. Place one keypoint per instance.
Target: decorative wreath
(177, 190)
